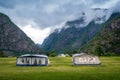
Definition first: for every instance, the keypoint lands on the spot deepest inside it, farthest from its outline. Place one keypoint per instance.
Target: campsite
(61, 68)
(59, 40)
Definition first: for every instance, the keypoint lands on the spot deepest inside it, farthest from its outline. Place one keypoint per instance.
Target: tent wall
(86, 60)
(37, 61)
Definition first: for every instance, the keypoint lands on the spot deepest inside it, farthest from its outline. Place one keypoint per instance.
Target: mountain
(74, 34)
(39, 45)
(71, 38)
(13, 41)
(107, 42)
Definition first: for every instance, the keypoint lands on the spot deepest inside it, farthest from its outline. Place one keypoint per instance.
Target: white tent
(61, 55)
(85, 59)
(32, 60)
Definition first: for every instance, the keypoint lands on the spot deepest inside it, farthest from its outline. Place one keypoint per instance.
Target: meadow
(61, 69)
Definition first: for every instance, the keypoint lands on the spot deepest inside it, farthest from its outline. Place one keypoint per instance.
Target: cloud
(6, 3)
(116, 7)
(36, 34)
(48, 13)
(44, 14)
(104, 3)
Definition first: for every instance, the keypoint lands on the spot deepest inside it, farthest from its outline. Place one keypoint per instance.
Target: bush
(52, 54)
(2, 54)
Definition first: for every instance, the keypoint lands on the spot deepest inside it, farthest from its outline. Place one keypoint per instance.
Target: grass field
(61, 69)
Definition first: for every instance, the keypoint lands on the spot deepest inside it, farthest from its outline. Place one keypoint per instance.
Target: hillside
(72, 38)
(14, 41)
(107, 42)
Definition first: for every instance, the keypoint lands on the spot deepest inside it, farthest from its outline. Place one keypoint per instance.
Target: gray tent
(85, 59)
(32, 60)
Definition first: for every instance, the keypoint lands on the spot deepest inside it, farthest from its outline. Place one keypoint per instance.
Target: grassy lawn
(61, 69)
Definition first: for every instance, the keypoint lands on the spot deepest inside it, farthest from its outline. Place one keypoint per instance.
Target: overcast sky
(37, 18)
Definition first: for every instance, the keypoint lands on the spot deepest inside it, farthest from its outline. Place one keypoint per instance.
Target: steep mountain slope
(107, 42)
(71, 38)
(13, 41)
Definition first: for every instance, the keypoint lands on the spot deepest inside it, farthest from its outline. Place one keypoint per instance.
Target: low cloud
(37, 35)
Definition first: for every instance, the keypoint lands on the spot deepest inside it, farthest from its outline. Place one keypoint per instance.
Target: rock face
(14, 40)
(71, 38)
(107, 42)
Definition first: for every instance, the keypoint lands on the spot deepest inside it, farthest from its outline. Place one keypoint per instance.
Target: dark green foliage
(2, 54)
(52, 53)
(70, 53)
(99, 50)
(107, 42)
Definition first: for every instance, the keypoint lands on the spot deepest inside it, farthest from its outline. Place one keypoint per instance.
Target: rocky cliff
(71, 38)
(13, 41)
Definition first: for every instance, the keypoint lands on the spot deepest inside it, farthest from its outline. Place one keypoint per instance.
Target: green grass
(61, 69)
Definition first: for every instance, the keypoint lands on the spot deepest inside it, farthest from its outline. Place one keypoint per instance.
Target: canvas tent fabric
(61, 55)
(85, 59)
(32, 60)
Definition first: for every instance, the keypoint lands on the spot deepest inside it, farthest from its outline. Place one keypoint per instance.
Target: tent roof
(80, 54)
(33, 55)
